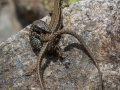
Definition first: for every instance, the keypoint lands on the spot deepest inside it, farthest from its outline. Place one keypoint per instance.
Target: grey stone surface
(98, 23)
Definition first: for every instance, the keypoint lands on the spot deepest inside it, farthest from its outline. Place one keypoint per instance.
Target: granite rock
(98, 23)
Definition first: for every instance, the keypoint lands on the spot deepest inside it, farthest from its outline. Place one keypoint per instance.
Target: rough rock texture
(98, 22)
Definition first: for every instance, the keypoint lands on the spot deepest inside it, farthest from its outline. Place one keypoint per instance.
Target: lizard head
(41, 26)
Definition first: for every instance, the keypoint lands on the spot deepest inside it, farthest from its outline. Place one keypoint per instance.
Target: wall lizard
(54, 26)
(59, 33)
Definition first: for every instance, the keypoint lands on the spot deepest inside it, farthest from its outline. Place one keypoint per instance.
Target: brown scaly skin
(54, 26)
(59, 33)
(52, 39)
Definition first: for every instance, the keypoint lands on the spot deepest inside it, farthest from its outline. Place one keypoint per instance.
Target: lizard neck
(56, 16)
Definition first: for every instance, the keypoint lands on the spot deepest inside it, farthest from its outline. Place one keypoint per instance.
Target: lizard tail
(39, 68)
(60, 32)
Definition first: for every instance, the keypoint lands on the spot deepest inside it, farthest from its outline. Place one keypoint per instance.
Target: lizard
(54, 26)
(52, 38)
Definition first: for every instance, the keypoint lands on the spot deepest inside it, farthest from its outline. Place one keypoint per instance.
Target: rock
(97, 22)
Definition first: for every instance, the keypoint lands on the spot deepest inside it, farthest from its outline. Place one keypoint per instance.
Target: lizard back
(54, 26)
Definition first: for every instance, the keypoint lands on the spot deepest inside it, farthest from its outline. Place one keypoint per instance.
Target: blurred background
(16, 14)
